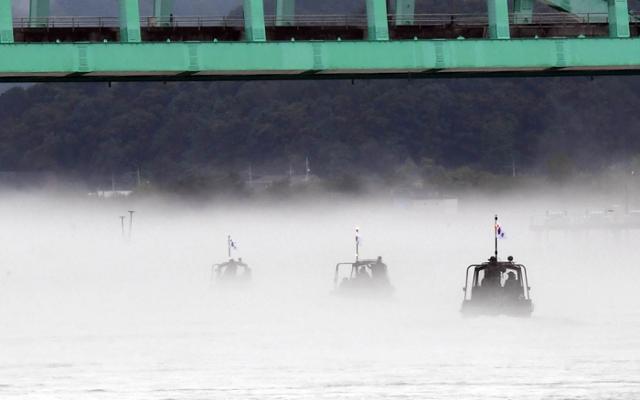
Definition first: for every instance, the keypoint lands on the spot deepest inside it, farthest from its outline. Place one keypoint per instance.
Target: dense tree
(176, 131)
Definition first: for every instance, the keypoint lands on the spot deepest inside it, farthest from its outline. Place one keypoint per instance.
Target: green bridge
(582, 37)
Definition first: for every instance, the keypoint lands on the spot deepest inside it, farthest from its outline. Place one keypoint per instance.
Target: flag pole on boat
(495, 236)
(357, 244)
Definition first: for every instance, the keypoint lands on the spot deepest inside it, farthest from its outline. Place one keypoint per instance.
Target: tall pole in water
(122, 217)
(495, 236)
(131, 212)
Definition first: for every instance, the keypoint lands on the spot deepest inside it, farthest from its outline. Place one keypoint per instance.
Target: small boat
(497, 287)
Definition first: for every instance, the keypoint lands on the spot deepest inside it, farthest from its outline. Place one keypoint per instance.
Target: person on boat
(362, 273)
(512, 286)
(247, 270)
(379, 270)
(231, 269)
(492, 274)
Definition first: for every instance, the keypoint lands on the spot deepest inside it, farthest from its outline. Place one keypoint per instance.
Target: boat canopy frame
(520, 270)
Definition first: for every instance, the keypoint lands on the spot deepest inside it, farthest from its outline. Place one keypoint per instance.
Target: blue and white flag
(232, 244)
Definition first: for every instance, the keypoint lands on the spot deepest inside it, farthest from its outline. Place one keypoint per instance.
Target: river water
(85, 313)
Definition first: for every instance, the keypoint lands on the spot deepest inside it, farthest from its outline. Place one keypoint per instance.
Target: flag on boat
(500, 232)
(232, 244)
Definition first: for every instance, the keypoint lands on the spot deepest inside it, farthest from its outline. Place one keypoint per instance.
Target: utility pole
(122, 218)
(131, 212)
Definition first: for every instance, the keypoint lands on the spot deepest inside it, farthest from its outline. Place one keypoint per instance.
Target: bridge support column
(523, 11)
(285, 12)
(162, 10)
(498, 19)
(38, 13)
(377, 20)
(254, 29)
(619, 19)
(405, 12)
(130, 21)
(6, 22)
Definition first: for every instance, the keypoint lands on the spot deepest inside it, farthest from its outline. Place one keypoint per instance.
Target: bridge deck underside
(286, 33)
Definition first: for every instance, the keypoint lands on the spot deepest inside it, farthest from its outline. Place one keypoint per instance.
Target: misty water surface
(85, 313)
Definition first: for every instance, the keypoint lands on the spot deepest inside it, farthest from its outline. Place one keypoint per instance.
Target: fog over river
(85, 313)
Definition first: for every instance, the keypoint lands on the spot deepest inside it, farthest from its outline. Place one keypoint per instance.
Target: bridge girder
(498, 19)
(39, 11)
(377, 20)
(6, 22)
(285, 12)
(162, 11)
(404, 13)
(316, 60)
(599, 8)
(523, 11)
(130, 21)
(254, 25)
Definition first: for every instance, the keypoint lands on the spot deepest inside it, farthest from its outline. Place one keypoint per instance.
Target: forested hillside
(178, 132)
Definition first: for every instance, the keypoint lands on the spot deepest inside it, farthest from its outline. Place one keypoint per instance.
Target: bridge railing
(328, 20)
(193, 22)
(66, 22)
(304, 20)
(483, 19)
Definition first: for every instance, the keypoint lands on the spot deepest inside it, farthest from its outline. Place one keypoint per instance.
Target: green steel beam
(523, 11)
(405, 12)
(619, 19)
(377, 20)
(315, 60)
(498, 19)
(254, 28)
(130, 21)
(589, 10)
(39, 11)
(162, 11)
(285, 12)
(594, 11)
(6, 22)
